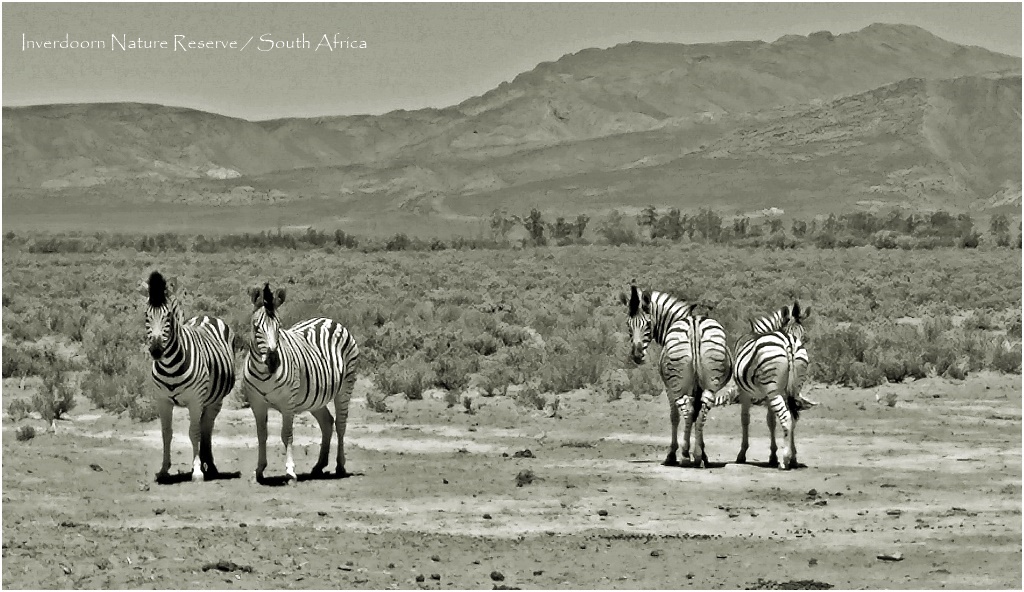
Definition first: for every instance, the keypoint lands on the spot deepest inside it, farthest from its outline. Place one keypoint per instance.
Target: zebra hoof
(670, 461)
(341, 472)
(773, 462)
(198, 477)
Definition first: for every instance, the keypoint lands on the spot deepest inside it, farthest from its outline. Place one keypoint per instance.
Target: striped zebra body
(770, 368)
(193, 367)
(306, 367)
(695, 361)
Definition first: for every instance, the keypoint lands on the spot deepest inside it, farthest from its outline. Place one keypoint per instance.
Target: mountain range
(888, 115)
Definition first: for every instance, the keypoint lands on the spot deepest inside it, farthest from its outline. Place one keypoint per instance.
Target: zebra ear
(254, 295)
(623, 299)
(804, 313)
(279, 297)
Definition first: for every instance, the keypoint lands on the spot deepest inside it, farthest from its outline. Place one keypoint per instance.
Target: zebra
(771, 366)
(193, 367)
(303, 368)
(695, 361)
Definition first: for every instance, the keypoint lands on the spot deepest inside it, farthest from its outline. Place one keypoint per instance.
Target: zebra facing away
(303, 368)
(771, 367)
(695, 361)
(193, 367)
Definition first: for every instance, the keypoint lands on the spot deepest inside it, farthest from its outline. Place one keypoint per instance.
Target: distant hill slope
(890, 113)
(945, 143)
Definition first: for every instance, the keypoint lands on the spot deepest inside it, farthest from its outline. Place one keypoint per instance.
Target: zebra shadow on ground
(186, 476)
(688, 464)
(683, 464)
(282, 480)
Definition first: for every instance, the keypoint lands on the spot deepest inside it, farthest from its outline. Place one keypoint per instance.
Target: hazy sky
(416, 55)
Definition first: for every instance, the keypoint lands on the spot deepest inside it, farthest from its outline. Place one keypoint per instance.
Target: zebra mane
(268, 300)
(670, 303)
(157, 290)
(771, 323)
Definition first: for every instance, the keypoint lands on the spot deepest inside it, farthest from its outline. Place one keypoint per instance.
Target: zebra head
(787, 320)
(638, 306)
(162, 315)
(265, 325)
(795, 328)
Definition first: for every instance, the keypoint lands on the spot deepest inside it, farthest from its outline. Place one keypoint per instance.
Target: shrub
(55, 398)
(19, 360)
(614, 232)
(825, 240)
(398, 242)
(25, 433)
(969, 240)
(109, 349)
(645, 380)
(529, 397)
(1005, 359)
(614, 383)
(18, 410)
(409, 377)
(885, 239)
(907, 243)
(571, 370)
(495, 379)
(835, 353)
(484, 344)
(342, 239)
(122, 392)
(377, 402)
(453, 374)
(863, 375)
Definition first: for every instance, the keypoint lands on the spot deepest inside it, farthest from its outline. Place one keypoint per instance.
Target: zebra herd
(303, 368)
(312, 364)
(700, 371)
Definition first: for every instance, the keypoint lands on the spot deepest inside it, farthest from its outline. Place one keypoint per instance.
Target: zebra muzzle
(273, 360)
(156, 350)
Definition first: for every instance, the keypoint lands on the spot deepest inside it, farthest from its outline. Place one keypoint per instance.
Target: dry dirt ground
(934, 479)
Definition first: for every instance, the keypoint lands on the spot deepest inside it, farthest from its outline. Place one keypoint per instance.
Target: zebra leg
(195, 418)
(792, 444)
(773, 457)
(686, 405)
(700, 452)
(741, 458)
(209, 416)
(326, 421)
(779, 405)
(287, 417)
(341, 401)
(673, 414)
(259, 412)
(165, 409)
